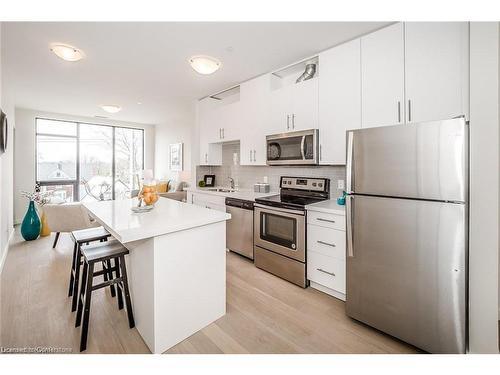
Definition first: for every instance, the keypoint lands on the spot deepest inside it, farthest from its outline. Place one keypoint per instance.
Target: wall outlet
(340, 184)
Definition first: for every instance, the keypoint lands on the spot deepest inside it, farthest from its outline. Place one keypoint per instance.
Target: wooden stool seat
(102, 252)
(90, 235)
(80, 237)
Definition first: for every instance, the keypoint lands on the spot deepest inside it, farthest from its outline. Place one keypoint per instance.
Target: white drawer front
(326, 271)
(326, 241)
(326, 220)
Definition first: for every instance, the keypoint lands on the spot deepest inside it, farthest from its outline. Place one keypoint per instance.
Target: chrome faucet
(231, 182)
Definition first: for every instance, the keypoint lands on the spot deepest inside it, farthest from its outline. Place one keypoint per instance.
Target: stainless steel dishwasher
(239, 229)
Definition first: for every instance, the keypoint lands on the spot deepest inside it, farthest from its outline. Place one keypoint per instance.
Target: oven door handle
(302, 146)
(270, 209)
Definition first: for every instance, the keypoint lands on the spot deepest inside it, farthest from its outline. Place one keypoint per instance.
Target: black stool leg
(130, 314)
(81, 296)
(78, 258)
(110, 277)
(55, 240)
(86, 311)
(72, 277)
(119, 286)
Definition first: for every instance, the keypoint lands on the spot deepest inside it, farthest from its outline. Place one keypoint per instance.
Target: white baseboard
(324, 289)
(6, 250)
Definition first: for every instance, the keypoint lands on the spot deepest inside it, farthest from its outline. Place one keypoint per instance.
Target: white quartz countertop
(329, 206)
(245, 194)
(167, 216)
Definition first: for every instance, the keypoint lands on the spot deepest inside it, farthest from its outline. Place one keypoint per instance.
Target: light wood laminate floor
(264, 313)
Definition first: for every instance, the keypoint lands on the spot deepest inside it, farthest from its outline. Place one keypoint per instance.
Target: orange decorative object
(149, 195)
(45, 230)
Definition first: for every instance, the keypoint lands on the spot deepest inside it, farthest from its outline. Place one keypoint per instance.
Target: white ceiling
(128, 63)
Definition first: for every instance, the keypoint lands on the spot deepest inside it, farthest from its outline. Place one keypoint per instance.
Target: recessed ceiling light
(67, 52)
(111, 108)
(205, 64)
(139, 103)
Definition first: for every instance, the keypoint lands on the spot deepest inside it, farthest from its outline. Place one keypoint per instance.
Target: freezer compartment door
(422, 161)
(406, 270)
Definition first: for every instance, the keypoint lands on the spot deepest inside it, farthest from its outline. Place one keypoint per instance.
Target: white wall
(6, 168)
(484, 187)
(177, 129)
(24, 165)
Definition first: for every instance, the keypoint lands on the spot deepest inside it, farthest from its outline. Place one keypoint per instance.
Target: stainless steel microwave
(293, 148)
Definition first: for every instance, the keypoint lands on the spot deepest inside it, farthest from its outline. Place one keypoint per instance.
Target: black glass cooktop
(288, 201)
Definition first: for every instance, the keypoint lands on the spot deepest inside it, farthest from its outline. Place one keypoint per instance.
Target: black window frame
(76, 181)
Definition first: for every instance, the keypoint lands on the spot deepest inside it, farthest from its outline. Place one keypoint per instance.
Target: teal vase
(30, 228)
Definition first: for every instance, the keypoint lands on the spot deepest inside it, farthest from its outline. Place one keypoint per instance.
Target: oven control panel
(303, 183)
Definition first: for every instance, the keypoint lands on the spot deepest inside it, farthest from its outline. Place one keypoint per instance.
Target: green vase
(30, 228)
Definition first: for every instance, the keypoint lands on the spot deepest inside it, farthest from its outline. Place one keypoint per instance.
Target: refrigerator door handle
(350, 139)
(349, 205)
(302, 147)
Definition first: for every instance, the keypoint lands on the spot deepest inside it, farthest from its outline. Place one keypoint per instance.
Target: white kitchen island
(176, 266)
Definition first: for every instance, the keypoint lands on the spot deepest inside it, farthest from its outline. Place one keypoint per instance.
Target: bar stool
(92, 254)
(80, 237)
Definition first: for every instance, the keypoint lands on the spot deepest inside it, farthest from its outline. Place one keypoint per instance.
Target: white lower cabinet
(328, 272)
(326, 266)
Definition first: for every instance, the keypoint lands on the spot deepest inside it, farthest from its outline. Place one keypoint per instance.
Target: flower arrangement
(40, 198)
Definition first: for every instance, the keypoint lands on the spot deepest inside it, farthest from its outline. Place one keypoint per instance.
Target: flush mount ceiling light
(205, 64)
(111, 108)
(67, 52)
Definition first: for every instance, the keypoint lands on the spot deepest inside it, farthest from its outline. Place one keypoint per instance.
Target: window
(80, 161)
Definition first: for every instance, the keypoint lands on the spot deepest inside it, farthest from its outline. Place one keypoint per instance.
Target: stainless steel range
(280, 227)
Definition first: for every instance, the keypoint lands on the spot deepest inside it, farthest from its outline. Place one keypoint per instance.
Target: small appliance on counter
(280, 227)
(261, 187)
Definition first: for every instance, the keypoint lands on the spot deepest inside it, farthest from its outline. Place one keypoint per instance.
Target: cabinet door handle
(320, 153)
(223, 136)
(328, 273)
(399, 111)
(409, 110)
(254, 157)
(293, 121)
(326, 243)
(287, 122)
(206, 158)
(250, 155)
(327, 220)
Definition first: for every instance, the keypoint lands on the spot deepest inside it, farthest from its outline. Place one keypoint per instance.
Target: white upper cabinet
(294, 107)
(339, 99)
(304, 97)
(255, 106)
(382, 77)
(210, 153)
(280, 111)
(437, 70)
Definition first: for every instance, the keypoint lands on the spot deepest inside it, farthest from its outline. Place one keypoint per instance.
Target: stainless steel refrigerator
(407, 225)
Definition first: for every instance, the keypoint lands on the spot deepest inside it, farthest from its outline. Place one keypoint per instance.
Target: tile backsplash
(245, 176)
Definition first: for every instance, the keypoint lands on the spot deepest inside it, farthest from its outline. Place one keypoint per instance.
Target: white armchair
(67, 217)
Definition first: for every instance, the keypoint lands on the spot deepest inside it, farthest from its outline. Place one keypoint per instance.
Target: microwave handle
(302, 146)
